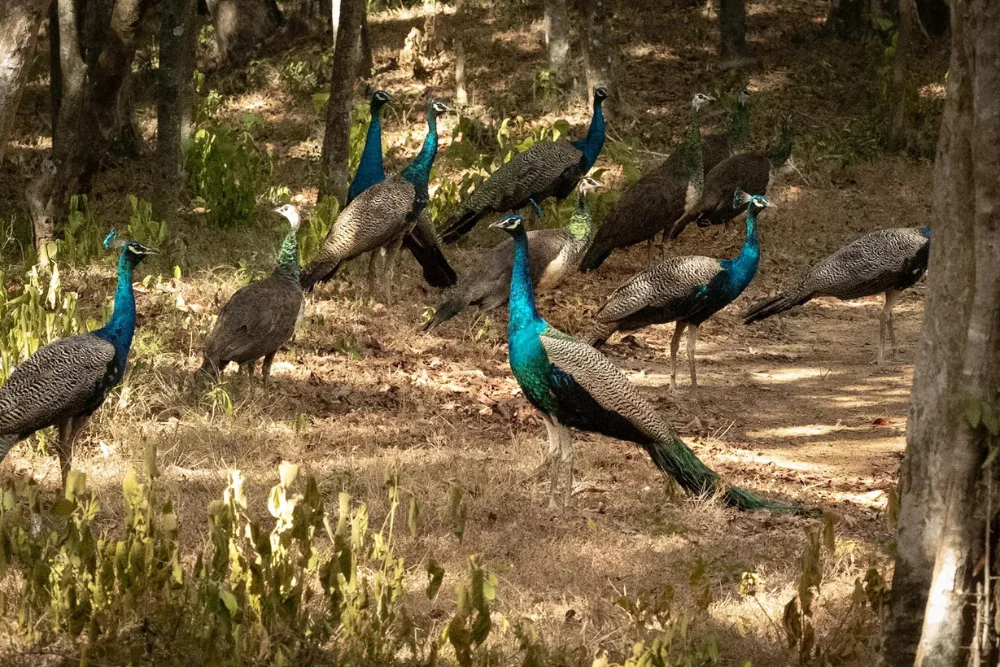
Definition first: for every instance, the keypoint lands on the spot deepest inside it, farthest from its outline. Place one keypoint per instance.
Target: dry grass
(787, 407)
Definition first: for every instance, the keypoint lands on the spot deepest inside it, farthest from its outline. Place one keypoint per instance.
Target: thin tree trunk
(178, 24)
(733, 33)
(334, 21)
(366, 61)
(19, 23)
(901, 98)
(461, 95)
(941, 529)
(598, 50)
(241, 26)
(337, 138)
(557, 36)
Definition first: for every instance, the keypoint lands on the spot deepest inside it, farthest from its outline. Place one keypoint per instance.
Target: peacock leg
(392, 255)
(552, 427)
(692, 344)
(566, 459)
(538, 209)
(891, 297)
(373, 258)
(265, 370)
(675, 345)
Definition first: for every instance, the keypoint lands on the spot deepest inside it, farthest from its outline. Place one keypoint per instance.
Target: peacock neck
(288, 258)
(743, 268)
(925, 232)
(592, 144)
(581, 224)
(418, 172)
(121, 327)
(522, 297)
(370, 170)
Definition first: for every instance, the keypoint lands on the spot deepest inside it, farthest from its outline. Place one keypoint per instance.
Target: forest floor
(791, 408)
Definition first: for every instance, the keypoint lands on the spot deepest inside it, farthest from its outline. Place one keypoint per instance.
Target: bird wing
(378, 215)
(602, 380)
(668, 282)
(527, 175)
(62, 379)
(749, 172)
(257, 320)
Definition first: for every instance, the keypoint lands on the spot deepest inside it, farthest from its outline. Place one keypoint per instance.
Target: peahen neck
(522, 297)
(288, 258)
(925, 232)
(693, 159)
(743, 267)
(418, 172)
(581, 224)
(592, 144)
(739, 126)
(370, 169)
(121, 327)
(779, 153)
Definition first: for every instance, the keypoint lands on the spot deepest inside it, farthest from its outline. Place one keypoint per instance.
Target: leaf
(63, 507)
(76, 484)
(414, 516)
(150, 460)
(435, 575)
(229, 600)
(481, 627)
(287, 472)
(320, 100)
(973, 411)
(792, 622)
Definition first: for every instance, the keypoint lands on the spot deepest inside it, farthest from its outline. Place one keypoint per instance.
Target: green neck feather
(694, 164)
(288, 258)
(581, 224)
(739, 126)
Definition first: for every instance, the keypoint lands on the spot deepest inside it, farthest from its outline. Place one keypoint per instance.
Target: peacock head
(512, 224)
(588, 185)
(754, 203)
(435, 108)
(379, 99)
(132, 251)
(744, 97)
(600, 94)
(699, 100)
(290, 213)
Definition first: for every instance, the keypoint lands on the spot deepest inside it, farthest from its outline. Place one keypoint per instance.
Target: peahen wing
(668, 286)
(256, 321)
(63, 379)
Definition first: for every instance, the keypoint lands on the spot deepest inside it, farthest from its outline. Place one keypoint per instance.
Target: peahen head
(588, 185)
(291, 213)
(512, 224)
(133, 252)
(699, 100)
(379, 99)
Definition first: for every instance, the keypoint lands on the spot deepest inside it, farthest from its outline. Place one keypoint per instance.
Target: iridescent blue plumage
(370, 169)
(418, 172)
(592, 144)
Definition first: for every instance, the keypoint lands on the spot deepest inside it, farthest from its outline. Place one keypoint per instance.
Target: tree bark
(901, 86)
(599, 52)
(87, 109)
(337, 138)
(733, 33)
(19, 23)
(366, 61)
(557, 36)
(175, 99)
(241, 26)
(942, 522)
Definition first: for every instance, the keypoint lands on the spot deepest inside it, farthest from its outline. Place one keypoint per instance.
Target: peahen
(885, 261)
(547, 169)
(381, 215)
(260, 317)
(685, 290)
(658, 198)
(422, 240)
(573, 385)
(64, 382)
(554, 253)
(750, 172)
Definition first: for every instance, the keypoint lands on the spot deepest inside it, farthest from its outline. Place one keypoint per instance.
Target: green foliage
(83, 235)
(228, 171)
(312, 233)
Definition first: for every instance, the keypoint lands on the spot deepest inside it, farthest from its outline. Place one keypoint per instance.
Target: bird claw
(538, 209)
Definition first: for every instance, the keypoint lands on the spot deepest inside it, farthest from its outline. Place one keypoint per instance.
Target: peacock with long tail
(750, 172)
(260, 317)
(886, 261)
(685, 290)
(554, 254)
(422, 240)
(547, 169)
(382, 215)
(65, 382)
(572, 385)
(657, 199)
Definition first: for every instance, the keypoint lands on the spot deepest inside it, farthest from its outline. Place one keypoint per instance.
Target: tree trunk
(175, 98)
(366, 61)
(337, 138)
(598, 51)
(942, 522)
(241, 26)
(902, 96)
(733, 33)
(557, 36)
(19, 23)
(934, 16)
(87, 109)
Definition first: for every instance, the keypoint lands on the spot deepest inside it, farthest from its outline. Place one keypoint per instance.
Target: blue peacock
(685, 290)
(573, 385)
(64, 382)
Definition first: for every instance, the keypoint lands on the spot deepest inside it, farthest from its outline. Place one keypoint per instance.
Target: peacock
(64, 382)
(887, 261)
(547, 169)
(573, 385)
(554, 253)
(260, 317)
(658, 198)
(685, 290)
(422, 240)
(750, 172)
(381, 215)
